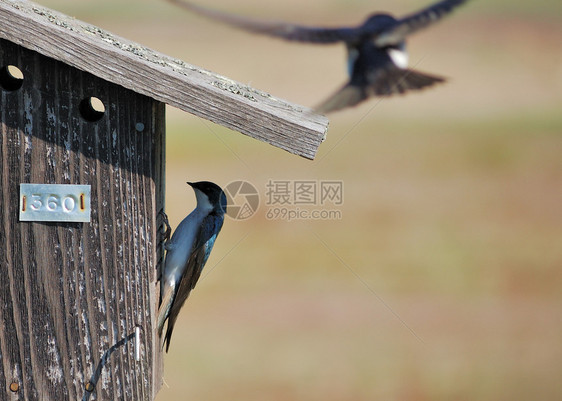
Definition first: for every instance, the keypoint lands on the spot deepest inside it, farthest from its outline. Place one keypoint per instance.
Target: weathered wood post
(86, 109)
(72, 290)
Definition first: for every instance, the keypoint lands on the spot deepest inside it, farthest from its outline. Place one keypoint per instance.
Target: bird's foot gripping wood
(165, 239)
(168, 231)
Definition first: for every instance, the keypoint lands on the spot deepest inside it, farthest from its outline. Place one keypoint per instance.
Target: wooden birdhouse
(82, 156)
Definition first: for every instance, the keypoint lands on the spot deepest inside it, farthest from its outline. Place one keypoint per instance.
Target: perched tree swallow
(377, 58)
(187, 252)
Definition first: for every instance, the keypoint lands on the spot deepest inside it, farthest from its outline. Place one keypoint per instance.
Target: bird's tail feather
(169, 330)
(164, 310)
(388, 82)
(163, 314)
(397, 81)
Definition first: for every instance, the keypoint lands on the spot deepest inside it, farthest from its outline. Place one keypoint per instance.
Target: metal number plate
(55, 202)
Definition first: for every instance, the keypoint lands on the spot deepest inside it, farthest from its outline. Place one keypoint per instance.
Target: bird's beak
(190, 184)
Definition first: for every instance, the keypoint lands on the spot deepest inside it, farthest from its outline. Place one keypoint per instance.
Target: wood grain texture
(174, 82)
(72, 292)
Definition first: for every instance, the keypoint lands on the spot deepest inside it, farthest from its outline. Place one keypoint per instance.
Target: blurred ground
(442, 280)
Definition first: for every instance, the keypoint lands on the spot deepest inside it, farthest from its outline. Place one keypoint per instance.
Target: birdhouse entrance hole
(11, 78)
(92, 109)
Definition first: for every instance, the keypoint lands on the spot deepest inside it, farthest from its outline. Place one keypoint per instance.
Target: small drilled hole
(92, 109)
(11, 78)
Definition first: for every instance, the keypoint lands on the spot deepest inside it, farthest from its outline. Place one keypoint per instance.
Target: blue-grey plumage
(377, 58)
(187, 252)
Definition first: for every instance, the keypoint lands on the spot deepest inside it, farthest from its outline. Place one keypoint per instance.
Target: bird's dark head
(378, 22)
(209, 195)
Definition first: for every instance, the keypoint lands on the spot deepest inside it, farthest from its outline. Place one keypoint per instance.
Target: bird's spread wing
(417, 21)
(277, 29)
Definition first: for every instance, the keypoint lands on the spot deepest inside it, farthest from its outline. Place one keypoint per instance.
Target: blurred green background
(442, 280)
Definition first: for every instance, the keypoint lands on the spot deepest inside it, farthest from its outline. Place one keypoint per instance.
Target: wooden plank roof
(293, 128)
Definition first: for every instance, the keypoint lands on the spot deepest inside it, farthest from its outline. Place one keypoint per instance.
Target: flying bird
(187, 252)
(376, 50)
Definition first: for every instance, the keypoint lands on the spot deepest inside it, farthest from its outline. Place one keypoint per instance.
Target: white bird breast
(203, 203)
(399, 57)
